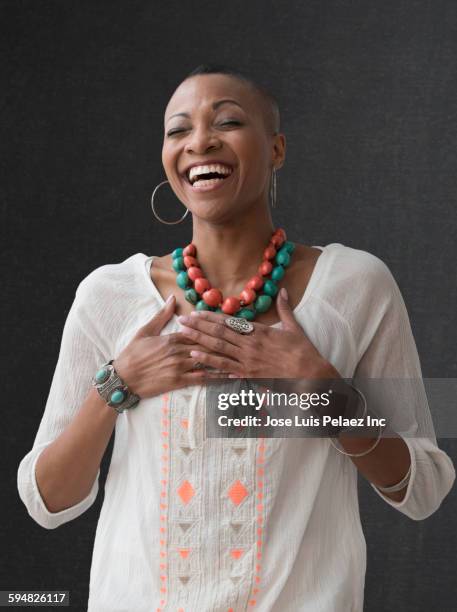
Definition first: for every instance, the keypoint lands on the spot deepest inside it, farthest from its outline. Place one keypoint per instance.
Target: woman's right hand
(152, 364)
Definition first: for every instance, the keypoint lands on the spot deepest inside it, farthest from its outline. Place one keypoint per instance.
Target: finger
(201, 320)
(196, 377)
(189, 363)
(218, 317)
(225, 364)
(154, 326)
(285, 313)
(215, 345)
(203, 373)
(217, 329)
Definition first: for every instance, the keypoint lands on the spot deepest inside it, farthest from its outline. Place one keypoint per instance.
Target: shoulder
(112, 292)
(358, 285)
(356, 272)
(350, 261)
(108, 279)
(108, 300)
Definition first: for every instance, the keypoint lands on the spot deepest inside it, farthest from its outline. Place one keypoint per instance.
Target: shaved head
(268, 105)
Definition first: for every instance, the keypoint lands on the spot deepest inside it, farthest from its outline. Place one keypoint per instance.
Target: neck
(230, 253)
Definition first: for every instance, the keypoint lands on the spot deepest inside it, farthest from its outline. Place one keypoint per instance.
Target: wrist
(319, 368)
(113, 388)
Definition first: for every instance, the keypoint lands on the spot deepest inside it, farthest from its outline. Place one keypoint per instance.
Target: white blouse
(191, 523)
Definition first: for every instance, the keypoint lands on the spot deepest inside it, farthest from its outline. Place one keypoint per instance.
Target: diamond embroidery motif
(184, 579)
(237, 492)
(236, 552)
(236, 527)
(186, 491)
(184, 552)
(186, 450)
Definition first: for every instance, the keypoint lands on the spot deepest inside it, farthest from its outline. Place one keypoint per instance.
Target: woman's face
(232, 133)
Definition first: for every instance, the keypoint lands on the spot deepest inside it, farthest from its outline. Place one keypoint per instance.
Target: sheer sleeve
(387, 350)
(78, 359)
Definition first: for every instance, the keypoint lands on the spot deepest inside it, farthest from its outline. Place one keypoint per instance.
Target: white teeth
(203, 182)
(219, 168)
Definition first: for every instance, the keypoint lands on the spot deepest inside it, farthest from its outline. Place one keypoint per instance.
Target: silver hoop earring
(155, 213)
(273, 188)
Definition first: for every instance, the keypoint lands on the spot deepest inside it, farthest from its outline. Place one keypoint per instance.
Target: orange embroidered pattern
(165, 422)
(259, 519)
(186, 491)
(237, 492)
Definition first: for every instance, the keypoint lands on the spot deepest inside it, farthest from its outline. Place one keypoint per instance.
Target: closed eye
(231, 122)
(171, 132)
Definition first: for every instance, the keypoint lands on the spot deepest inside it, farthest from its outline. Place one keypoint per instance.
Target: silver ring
(198, 365)
(239, 324)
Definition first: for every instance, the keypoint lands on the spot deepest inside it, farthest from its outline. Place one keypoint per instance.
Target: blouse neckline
(313, 280)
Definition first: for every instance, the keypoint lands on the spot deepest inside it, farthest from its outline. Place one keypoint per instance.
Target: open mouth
(208, 178)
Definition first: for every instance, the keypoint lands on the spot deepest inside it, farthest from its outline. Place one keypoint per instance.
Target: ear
(279, 150)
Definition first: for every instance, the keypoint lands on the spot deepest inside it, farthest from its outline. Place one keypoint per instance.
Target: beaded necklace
(258, 293)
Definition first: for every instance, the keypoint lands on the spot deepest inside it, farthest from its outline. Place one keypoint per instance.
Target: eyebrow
(215, 106)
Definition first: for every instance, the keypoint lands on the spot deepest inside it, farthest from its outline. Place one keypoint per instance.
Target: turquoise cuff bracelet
(113, 389)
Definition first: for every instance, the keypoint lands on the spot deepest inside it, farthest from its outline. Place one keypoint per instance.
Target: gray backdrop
(368, 98)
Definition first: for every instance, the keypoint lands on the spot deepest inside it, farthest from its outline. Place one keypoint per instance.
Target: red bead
(201, 284)
(265, 268)
(231, 305)
(280, 232)
(269, 252)
(194, 272)
(189, 250)
(248, 296)
(212, 297)
(190, 261)
(255, 282)
(276, 240)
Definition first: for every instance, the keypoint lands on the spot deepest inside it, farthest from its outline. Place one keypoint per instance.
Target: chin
(215, 211)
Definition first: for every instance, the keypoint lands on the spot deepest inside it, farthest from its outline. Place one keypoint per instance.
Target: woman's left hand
(267, 352)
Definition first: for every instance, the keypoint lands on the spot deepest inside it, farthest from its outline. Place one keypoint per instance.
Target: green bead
(289, 246)
(246, 313)
(178, 264)
(270, 288)
(117, 397)
(277, 273)
(282, 257)
(102, 375)
(191, 296)
(262, 303)
(182, 279)
(202, 305)
(177, 252)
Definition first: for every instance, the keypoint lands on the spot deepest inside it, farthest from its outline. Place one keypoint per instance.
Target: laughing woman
(193, 523)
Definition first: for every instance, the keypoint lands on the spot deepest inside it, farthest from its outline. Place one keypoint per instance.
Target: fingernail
(170, 298)
(194, 313)
(283, 294)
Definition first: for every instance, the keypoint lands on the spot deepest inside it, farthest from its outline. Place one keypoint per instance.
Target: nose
(202, 140)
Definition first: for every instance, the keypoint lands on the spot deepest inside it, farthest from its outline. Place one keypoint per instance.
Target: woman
(202, 524)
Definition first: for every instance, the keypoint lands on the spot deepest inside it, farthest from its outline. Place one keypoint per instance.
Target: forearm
(66, 469)
(385, 465)
(388, 462)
